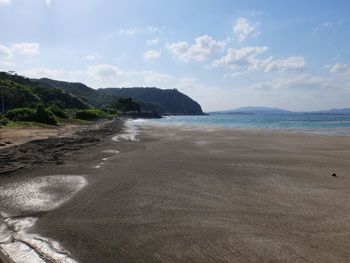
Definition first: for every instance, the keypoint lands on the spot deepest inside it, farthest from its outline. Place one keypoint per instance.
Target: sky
(224, 54)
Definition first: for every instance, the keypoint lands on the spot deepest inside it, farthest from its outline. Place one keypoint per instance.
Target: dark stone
(334, 175)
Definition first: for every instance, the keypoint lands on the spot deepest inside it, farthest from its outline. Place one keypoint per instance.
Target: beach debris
(334, 175)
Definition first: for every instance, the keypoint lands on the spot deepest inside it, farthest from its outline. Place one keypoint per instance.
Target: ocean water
(330, 124)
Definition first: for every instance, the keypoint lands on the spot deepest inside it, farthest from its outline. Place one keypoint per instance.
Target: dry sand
(186, 194)
(19, 135)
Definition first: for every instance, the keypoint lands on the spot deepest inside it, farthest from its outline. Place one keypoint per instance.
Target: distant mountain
(167, 101)
(255, 110)
(335, 111)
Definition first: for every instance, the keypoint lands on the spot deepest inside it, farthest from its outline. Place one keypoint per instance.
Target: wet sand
(187, 194)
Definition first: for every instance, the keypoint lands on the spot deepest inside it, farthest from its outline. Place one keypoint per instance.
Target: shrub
(59, 112)
(21, 114)
(45, 116)
(126, 104)
(3, 121)
(90, 114)
(109, 111)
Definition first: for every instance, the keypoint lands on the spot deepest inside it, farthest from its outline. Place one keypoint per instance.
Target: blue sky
(225, 54)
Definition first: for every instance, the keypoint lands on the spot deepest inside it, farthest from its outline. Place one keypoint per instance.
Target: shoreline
(248, 129)
(185, 193)
(56, 150)
(332, 131)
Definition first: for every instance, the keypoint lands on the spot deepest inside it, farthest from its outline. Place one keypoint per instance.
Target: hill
(150, 99)
(85, 93)
(167, 101)
(23, 92)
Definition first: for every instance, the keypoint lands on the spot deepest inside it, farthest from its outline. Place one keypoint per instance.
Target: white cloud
(242, 57)
(106, 75)
(128, 31)
(151, 54)
(42, 73)
(5, 52)
(105, 72)
(338, 68)
(29, 49)
(153, 41)
(200, 51)
(133, 31)
(245, 59)
(302, 92)
(295, 82)
(5, 2)
(6, 61)
(328, 25)
(340, 72)
(289, 63)
(153, 29)
(99, 75)
(244, 29)
(155, 77)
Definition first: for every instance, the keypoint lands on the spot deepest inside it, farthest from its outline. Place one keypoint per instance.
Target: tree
(44, 116)
(125, 105)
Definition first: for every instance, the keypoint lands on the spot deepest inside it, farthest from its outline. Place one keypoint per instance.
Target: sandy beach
(158, 193)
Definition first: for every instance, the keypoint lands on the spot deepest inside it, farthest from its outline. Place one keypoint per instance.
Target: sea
(328, 124)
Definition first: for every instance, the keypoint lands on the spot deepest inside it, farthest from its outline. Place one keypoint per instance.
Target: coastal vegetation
(90, 114)
(27, 101)
(150, 99)
(50, 101)
(162, 101)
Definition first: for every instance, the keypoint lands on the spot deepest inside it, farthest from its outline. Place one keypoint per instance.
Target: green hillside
(168, 101)
(22, 92)
(85, 93)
